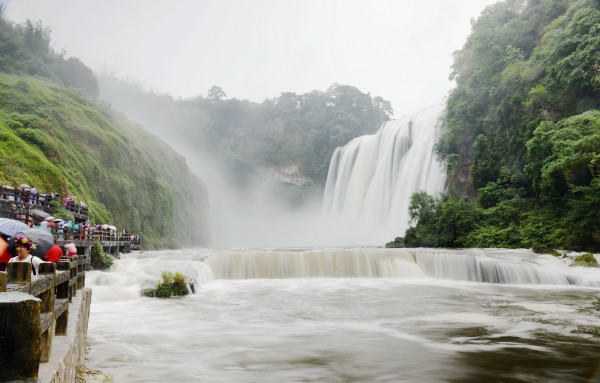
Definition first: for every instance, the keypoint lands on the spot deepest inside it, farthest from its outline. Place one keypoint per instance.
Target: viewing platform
(21, 205)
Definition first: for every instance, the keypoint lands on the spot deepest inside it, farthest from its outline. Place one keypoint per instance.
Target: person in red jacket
(5, 256)
(54, 254)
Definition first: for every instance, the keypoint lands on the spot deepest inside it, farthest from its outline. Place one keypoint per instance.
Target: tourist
(24, 247)
(71, 249)
(53, 255)
(4, 253)
(33, 195)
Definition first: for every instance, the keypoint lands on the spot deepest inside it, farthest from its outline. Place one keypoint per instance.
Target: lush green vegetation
(56, 137)
(522, 137)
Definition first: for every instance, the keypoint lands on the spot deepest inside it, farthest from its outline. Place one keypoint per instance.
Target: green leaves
(515, 134)
(565, 154)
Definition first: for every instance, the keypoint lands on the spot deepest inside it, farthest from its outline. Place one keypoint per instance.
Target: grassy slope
(58, 140)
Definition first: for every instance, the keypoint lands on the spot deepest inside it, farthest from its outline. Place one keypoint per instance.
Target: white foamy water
(371, 179)
(346, 315)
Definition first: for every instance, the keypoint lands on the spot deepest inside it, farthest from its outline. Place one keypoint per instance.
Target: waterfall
(371, 179)
(500, 266)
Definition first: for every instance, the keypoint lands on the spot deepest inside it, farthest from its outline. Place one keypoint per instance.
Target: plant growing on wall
(59, 211)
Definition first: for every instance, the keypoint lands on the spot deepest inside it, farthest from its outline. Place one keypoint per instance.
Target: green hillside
(522, 137)
(59, 139)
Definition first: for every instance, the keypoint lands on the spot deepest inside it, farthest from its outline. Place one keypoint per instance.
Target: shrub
(398, 242)
(100, 260)
(179, 285)
(172, 284)
(586, 260)
(167, 277)
(163, 290)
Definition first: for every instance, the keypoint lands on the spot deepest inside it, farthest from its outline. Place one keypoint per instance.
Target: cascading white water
(346, 315)
(472, 265)
(371, 179)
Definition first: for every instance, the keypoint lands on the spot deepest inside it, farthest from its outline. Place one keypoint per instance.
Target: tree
(565, 171)
(215, 94)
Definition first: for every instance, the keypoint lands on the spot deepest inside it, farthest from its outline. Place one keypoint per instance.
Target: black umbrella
(43, 240)
(39, 214)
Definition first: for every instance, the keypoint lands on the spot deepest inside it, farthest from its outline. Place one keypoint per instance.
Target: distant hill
(288, 139)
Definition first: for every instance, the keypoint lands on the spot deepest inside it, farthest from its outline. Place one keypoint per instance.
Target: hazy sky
(400, 50)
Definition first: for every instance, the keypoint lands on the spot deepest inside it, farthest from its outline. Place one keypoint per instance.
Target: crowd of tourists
(26, 223)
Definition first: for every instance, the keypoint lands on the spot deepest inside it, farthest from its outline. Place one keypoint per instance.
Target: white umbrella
(10, 227)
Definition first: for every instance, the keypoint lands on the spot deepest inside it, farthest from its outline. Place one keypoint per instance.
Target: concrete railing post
(47, 308)
(20, 337)
(2, 282)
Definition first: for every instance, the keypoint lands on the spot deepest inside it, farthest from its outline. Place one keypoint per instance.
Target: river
(347, 315)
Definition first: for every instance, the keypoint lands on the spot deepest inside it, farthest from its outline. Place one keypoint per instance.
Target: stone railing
(92, 234)
(33, 311)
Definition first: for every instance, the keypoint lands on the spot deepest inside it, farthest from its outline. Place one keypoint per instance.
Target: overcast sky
(400, 50)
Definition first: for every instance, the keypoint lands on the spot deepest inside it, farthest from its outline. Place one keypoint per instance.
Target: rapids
(347, 315)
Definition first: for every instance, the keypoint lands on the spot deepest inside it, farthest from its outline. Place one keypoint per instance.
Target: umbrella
(10, 227)
(43, 239)
(49, 218)
(39, 214)
(24, 186)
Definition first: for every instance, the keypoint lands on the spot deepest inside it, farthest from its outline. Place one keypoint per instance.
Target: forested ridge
(299, 130)
(56, 136)
(522, 133)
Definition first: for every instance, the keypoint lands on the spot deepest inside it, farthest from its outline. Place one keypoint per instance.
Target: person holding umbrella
(24, 247)
(8, 228)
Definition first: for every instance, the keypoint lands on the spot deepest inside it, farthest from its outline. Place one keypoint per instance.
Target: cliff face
(289, 175)
(59, 140)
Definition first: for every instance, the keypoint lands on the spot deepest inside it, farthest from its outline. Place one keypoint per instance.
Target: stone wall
(68, 352)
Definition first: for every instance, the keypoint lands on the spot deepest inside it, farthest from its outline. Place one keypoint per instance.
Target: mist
(400, 51)
(257, 213)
